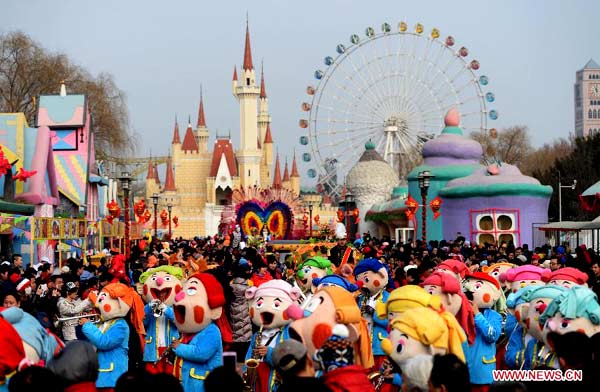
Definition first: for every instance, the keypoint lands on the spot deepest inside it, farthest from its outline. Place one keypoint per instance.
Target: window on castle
(590, 113)
(595, 114)
(248, 172)
(247, 81)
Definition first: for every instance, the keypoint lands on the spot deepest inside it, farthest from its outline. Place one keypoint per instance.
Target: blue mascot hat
(335, 280)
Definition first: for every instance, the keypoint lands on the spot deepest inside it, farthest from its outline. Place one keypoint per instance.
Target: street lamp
(424, 178)
(348, 201)
(169, 208)
(125, 181)
(155, 202)
(310, 210)
(560, 187)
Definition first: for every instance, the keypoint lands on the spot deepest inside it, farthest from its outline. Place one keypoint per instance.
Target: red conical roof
(268, 137)
(176, 139)
(189, 141)
(258, 143)
(235, 73)
(201, 118)
(156, 178)
(286, 173)
(263, 92)
(295, 168)
(150, 174)
(248, 52)
(277, 174)
(170, 178)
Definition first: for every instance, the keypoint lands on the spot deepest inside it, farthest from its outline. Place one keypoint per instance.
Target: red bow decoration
(5, 165)
(164, 218)
(176, 221)
(113, 209)
(435, 205)
(411, 206)
(23, 175)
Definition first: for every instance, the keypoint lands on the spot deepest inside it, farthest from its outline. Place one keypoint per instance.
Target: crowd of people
(216, 313)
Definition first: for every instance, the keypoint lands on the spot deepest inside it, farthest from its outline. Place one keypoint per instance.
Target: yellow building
(198, 181)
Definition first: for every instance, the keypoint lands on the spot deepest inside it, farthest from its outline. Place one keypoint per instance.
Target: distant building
(587, 100)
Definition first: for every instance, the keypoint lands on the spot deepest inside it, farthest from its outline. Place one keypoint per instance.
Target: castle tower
(295, 177)
(176, 143)
(267, 157)
(189, 140)
(202, 133)
(277, 175)
(587, 100)
(285, 183)
(169, 178)
(247, 93)
(264, 119)
(151, 180)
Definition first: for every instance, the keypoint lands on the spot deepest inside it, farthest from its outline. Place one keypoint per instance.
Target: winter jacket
(241, 324)
(164, 324)
(68, 308)
(481, 355)
(347, 379)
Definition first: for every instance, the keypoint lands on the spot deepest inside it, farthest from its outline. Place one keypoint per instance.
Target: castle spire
(189, 140)
(170, 178)
(247, 51)
(150, 174)
(295, 167)
(263, 93)
(235, 73)
(201, 117)
(277, 174)
(176, 139)
(268, 137)
(286, 173)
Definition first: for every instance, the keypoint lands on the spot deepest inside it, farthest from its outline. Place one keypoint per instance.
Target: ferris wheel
(392, 87)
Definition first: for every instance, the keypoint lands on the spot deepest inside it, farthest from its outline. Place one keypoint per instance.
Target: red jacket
(348, 379)
(257, 280)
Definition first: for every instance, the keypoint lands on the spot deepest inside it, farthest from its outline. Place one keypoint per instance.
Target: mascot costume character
(12, 353)
(113, 337)
(329, 306)
(159, 287)
(568, 277)
(268, 305)
(481, 355)
(312, 268)
(198, 310)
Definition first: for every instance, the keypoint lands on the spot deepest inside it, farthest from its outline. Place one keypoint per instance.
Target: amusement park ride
(392, 87)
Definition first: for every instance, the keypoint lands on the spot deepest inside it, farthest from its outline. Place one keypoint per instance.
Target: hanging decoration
(176, 221)
(436, 205)
(113, 209)
(317, 219)
(23, 175)
(164, 218)
(340, 216)
(139, 209)
(411, 206)
(355, 214)
(146, 217)
(5, 166)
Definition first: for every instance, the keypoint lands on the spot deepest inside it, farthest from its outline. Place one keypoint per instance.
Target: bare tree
(28, 70)
(543, 158)
(511, 145)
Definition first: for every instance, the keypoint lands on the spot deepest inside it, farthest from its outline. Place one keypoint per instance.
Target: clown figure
(453, 267)
(329, 306)
(312, 268)
(268, 306)
(537, 300)
(159, 287)
(423, 331)
(568, 277)
(481, 355)
(112, 338)
(516, 332)
(574, 310)
(198, 307)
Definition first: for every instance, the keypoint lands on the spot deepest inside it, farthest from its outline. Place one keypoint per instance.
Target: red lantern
(411, 206)
(109, 219)
(436, 205)
(176, 221)
(146, 217)
(113, 209)
(355, 214)
(317, 219)
(164, 218)
(340, 216)
(139, 208)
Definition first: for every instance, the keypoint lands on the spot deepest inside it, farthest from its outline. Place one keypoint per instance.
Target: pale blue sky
(161, 51)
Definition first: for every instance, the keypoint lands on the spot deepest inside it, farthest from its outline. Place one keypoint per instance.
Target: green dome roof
(369, 145)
